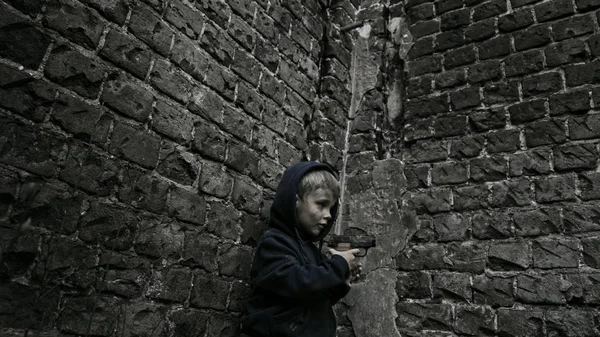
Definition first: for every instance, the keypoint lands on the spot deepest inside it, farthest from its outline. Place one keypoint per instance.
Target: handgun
(346, 242)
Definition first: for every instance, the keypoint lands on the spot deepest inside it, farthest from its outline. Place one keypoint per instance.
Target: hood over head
(283, 210)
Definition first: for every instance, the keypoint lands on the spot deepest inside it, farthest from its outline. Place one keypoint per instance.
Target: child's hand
(349, 256)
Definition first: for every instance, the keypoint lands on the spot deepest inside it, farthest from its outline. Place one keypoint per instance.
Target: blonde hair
(314, 180)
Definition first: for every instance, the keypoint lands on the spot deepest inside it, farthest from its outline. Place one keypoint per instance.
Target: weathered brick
(503, 141)
(568, 51)
(64, 15)
(289, 154)
(527, 111)
(135, 144)
(128, 97)
(431, 201)
(159, 37)
(545, 133)
(589, 183)
(101, 312)
(109, 225)
(425, 28)
(159, 239)
(485, 71)
(449, 173)
(509, 256)
(452, 285)
(235, 261)
(572, 102)
(537, 222)
(520, 322)
(200, 250)
(455, 19)
(420, 13)
(127, 52)
(444, 6)
(580, 74)
(553, 10)
(591, 251)
(473, 320)
(177, 164)
(572, 27)
(570, 322)
(425, 65)
(489, 9)
(186, 19)
(86, 122)
(223, 220)
(141, 189)
(524, 63)
(171, 81)
(30, 7)
(449, 39)
(21, 93)
(419, 316)
(468, 256)
(541, 84)
(487, 119)
(447, 79)
(581, 218)
(20, 41)
(586, 5)
(187, 206)
(422, 47)
(90, 170)
(427, 106)
(560, 188)
(425, 151)
(534, 36)
(414, 285)
(488, 169)
(172, 122)
(530, 163)
(114, 10)
(447, 126)
(572, 157)
(512, 193)
(465, 98)
(209, 292)
(515, 20)
(481, 30)
(459, 57)
(272, 88)
(209, 141)
(471, 197)
(488, 224)
(242, 159)
(494, 48)
(451, 227)
(493, 291)
(170, 284)
(75, 71)
(584, 127)
(188, 322)
(218, 43)
(557, 253)
(237, 123)
(416, 175)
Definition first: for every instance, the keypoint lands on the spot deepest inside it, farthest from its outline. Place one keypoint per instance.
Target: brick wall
(140, 146)
(501, 152)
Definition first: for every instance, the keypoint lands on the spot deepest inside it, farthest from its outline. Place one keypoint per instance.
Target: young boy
(293, 285)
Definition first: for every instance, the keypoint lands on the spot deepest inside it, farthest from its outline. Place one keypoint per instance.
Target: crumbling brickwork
(501, 153)
(140, 146)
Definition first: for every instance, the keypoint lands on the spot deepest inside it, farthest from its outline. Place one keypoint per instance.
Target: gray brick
(216, 298)
(471, 197)
(185, 205)
(488, 224)
(537, 222)
(559, 188)
(591, 251)
(534, 36)
(570, 322)
(530, 163)
(589, 183)
(418, 316)
(425, 151)
(76, 22)
(488, 169)
(449, 173)
(451, 227)
(504, 141)
(421, 257)
(584, 127)
(414, 285)
(483, 120)
(452, 285)
(159, 37)
(572, 27)
(581, 218)
(431, 201)
(524, 63)
(493, 291)
(568, 51)
(128, 97)
(473, 320)
(509, 256)
(572, 157)
(468, 256)
(135, 144)
(553, 9)
(512, 193)
(558, 253)
(545, 133)
(541, 84)
(518, 322)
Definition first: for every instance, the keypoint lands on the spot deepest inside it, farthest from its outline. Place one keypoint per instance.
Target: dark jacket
(293, 286)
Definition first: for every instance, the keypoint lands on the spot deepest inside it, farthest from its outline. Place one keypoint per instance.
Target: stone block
(516, 20)
(449, 39)
(475, 320)
(580, 74)
(209, 292)
(581, 218)
(420, 13)
(426, 151)
(559, 253)
(419, 316)
(535, 222)
(128, 53)
(572, 102)
(572, 27)
(427, 106)
(573, 157)
(465, 147)
(425, 65)
(110, 225)
(223, 325)
(560, 188)
(219, 44)
(455, 19)
(422, 47)
(481, 30)
(547, 132)
(425, 28)
(531, 37)
(494, 48)
(542, 289)
(584, 127)
(468, 256)
(485, 71)
(242, 159)
(541, 84)
(187, 206)
(140, 189)
(240, 293)
(223, 220)
(520, 322)
(589, 183)
(20, 41)
(504, 141)
(75, 71)
(489, 224)
(128, 97)
(216, 10)
(172, 81)
(188, 322)
(527, 111)
(449, 173)
(566, 52)
(512, 193)
(421, 257)
(171, 285)
(86, 122)
(235, 260)
(503, 92)
(272, 88)
(214, 180)
(159, 37)
(200, 250)
(471, 197)
(209, 141)
(447, 79)
(451, 227)
(553, 10)
(416, 175)
(483, 120)
(459, 57)
(489, 9)
(488, 169)
(571, 322)
(509, 256)
(530, 163)
(452, 286)
(524, 63)
(414, 285)
(241, 31)
(178, 165)
(135, 144)
(114, 10)
(90, 170)
(591, 251)
(493, 291)
(21, 93)
(75, 21)
(186, 19)
(431, 201)
(97, 315)
(158, 238)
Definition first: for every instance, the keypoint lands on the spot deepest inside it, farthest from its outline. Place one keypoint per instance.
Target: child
(293, 285)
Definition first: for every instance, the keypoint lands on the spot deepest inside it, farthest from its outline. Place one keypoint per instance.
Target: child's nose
(326, 214)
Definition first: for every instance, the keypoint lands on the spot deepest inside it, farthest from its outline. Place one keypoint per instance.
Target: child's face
(314, 210)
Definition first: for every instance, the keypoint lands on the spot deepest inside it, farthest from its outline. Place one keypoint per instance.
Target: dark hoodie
(293, 285)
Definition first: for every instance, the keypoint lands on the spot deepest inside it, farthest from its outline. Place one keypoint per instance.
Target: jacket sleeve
(335, 294)
(281, 272)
